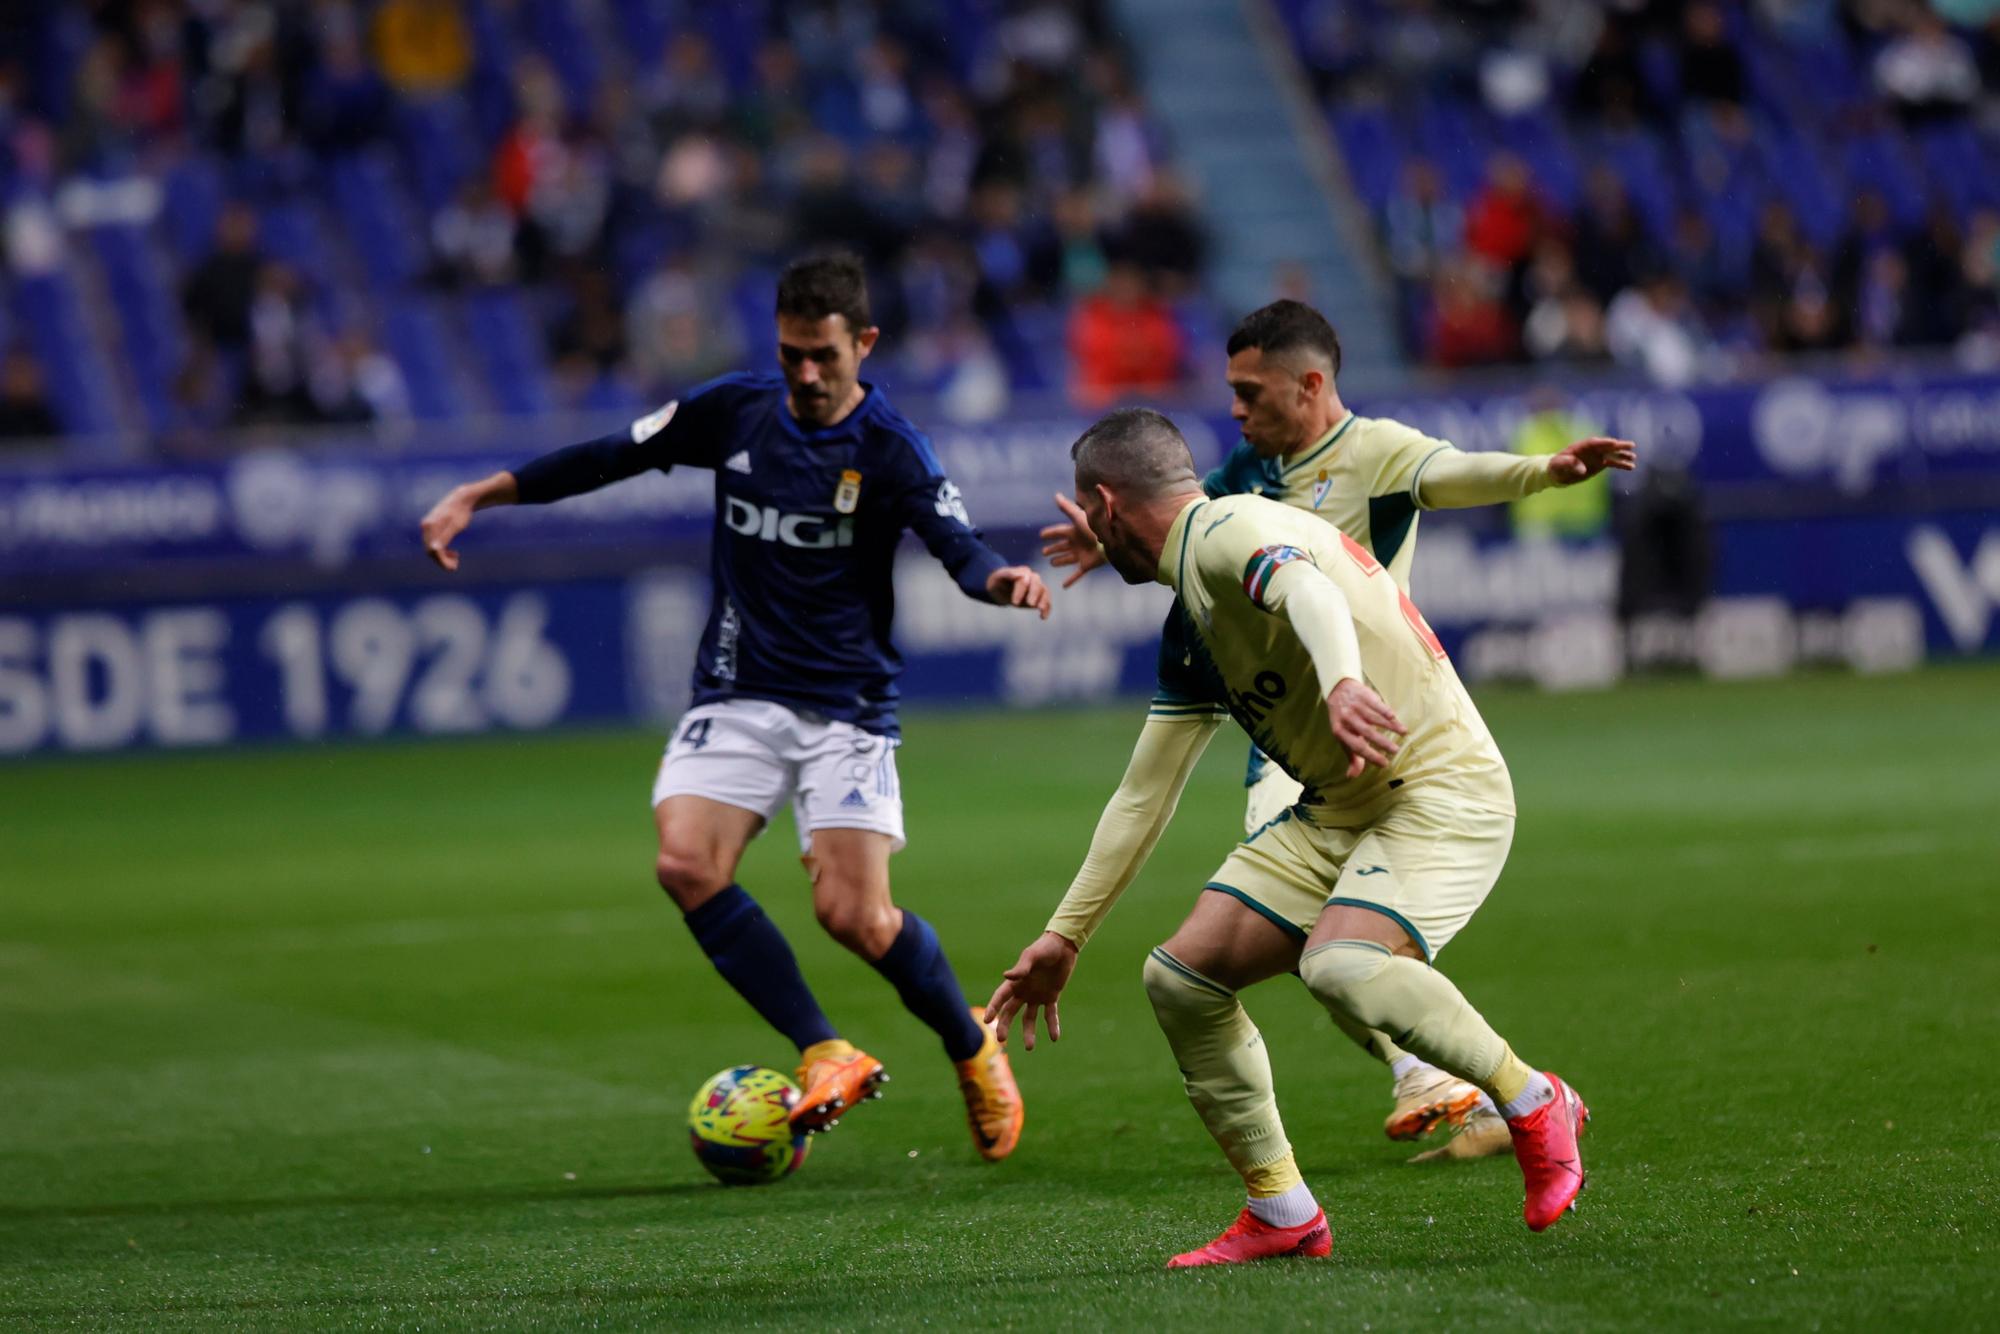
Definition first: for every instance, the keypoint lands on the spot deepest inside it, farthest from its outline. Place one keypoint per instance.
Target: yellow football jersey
(1224, 652)
(1361, 477)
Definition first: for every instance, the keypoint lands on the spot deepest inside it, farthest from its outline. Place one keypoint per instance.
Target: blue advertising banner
(1855, 438)
(493, 658)
(280, 593)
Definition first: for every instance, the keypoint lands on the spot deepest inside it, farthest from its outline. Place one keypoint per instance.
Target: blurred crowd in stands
(242, 212)
(1684, 188)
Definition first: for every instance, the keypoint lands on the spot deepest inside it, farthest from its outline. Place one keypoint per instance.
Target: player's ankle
(1538, 1093)
(1404, 1065)
(1294, 1208)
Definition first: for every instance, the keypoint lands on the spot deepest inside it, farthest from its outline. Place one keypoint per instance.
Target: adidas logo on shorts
(854, 800)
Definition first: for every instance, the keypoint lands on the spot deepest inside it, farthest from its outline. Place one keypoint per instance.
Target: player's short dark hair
(817, 286)
(1133, 449)
(1287, 326)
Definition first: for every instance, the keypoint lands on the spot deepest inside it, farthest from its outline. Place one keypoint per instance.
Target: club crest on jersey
(1321, 487)
(848, 494)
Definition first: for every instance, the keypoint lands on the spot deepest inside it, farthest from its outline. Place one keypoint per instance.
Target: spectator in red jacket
(1469, 326)
(1506, 217)
(1123, 339)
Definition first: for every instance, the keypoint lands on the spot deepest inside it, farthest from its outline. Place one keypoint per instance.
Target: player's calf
(863, 927)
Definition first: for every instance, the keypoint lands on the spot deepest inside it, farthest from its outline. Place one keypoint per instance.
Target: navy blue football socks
(915, 965)
(750, 952)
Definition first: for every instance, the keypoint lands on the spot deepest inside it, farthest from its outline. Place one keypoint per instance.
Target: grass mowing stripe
(241, 994)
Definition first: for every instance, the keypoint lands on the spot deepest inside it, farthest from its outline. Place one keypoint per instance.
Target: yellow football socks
(1363, 984)
(1226, 1070)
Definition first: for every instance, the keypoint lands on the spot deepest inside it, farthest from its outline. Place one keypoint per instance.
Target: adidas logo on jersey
(739, 461)
(854, 800)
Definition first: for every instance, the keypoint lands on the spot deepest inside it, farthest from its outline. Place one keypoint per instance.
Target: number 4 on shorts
(695, 736)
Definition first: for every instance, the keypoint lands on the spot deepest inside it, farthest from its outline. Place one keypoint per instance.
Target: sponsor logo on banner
(1965, 592)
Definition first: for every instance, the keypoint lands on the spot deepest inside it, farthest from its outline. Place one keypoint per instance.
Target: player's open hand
(1033, 984)
(1587, 458)
(1071, 542)
(1365, 724)
(1018, 586)
(447, 519)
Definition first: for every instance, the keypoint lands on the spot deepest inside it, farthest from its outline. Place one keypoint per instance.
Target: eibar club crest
(847, 495)
(1320, 488)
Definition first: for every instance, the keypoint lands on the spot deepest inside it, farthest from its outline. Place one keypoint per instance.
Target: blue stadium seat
(79, 380)
(151, 340)
(378, 217)
(508, 343)
(417, 337)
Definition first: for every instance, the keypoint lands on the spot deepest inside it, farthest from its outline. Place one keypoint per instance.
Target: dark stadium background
(274, 274)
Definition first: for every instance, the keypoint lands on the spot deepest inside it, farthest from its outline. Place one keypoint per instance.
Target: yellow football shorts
(1427, 862)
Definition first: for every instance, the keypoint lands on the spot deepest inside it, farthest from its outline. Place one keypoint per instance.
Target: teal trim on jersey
(1266, 827)
(1239, 473)
(1390, 519)
(1169, 961)
(1180, 566)
(1253, 773)
(1284, 924)
(1389, 913)
(1193, 710)
(1347, 945)
(1331, 440)
(1417, 477)
(1186, 674)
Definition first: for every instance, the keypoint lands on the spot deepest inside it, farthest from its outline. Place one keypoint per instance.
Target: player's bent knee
(689, 881)
(1343, 975)
(1177, 990)
(867, 928)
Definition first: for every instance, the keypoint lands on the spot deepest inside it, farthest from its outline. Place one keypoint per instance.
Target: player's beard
(811, 405)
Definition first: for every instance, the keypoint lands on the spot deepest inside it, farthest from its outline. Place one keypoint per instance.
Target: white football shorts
(755, 754)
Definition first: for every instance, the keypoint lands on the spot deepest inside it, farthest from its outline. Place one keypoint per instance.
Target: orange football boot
(1430, 1099)
(1545, 1144)
(1251, 1238)
(835, 1075)
(993, 1106)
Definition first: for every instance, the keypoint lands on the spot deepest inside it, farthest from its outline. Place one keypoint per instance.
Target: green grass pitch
(402, 1035)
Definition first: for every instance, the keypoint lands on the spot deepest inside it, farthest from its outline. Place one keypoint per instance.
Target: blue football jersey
(806, 528)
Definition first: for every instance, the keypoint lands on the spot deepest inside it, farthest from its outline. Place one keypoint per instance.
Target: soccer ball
(739, 1128)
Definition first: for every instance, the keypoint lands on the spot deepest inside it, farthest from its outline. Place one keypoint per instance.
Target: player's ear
(1312, 382)
(864, 342)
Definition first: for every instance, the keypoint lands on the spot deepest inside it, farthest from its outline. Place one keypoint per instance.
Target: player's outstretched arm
(1032, 986)
(1018, 586)
(453, 514)
(1071, 542)
(676, 433)
(1137, 814)
(1453, 479)
(1587, 458)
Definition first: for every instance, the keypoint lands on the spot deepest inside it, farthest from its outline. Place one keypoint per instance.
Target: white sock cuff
(1295, 1208)
(1538, 1092)
(1403, 1064)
